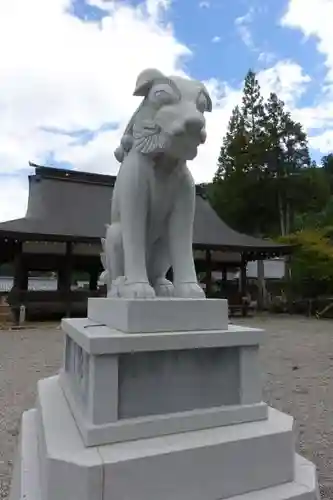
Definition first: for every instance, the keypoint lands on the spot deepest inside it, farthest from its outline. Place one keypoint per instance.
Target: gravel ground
(297, 361)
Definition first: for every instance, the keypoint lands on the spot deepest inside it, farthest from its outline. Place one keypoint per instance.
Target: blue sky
(66, 91)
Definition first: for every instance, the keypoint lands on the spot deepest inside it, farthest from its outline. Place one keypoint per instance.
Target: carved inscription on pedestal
(77, 368)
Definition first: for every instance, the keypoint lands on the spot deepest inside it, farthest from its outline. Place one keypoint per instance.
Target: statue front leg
(114, 259)
(158, 265)
(180, 241)
(132, 198)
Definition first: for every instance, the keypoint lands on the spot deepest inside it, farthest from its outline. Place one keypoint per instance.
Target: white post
(22, 314)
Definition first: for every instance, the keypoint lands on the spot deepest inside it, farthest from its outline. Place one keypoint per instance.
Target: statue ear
(209, 101)
(145, 81)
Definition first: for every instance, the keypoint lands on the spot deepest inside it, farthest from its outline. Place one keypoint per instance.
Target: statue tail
(105, 276)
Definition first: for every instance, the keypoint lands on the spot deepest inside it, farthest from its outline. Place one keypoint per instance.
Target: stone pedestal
(168, 413)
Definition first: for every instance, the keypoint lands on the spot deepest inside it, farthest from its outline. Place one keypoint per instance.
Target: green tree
(311, 263)
(316, 219)
(237, 192)
(327, 164)
(232, 156)
(265, 178)
(287, 157)
(243, 146)
(253, 115)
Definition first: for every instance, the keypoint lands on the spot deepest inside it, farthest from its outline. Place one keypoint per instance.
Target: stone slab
(68, 469)
(163, 382)
(160, 314)
(26, 484)
(26, 479)
(303, 487)
(98, 339)
(159, 383)
(209, 463)
(212, 463)
(161, 425)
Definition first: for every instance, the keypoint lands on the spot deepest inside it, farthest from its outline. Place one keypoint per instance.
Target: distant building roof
(72, 205)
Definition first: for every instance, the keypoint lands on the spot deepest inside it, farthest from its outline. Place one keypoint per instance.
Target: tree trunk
(282, 215)
(262, 295)
(288, 218)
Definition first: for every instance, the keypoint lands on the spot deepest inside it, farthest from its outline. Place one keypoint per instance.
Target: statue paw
(116, 287)
(163, 288)
(188, 291)
(136, 291)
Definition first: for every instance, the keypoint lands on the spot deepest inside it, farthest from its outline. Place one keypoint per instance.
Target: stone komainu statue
(154, 195)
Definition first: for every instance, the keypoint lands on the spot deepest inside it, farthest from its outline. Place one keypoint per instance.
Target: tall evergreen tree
(243, 145)
(237, 192)
(264, 177)
(233, 150)
(253, 113)
(287, 155)
(327, 164)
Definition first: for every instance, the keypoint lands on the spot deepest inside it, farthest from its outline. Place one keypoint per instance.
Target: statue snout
(194, 124)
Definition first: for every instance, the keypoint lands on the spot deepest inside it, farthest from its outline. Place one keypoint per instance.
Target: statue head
(170, 118)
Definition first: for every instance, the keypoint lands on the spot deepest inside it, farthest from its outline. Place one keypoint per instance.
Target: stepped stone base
(256, 461)
(124, 386)
(158, 415)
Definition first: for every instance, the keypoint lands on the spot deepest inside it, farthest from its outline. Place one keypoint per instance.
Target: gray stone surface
(26, 481)
(303, 487)
(297, 361)
(187, 464)
(99, 339)
(159, 315)
(146, 385)
(162, 425)
(156, 383)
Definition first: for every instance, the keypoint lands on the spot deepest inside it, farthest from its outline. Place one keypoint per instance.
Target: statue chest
(164, 188)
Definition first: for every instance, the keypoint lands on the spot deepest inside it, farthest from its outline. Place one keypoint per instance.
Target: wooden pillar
(224, 282)
(25, 277)
(243, 280)
(243, 283)
(20, 269)
(67, 277)
(262, 293)
(18, 266)
(93, 279)
(20, 283)
(208, 273)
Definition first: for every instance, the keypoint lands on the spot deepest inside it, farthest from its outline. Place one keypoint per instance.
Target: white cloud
(59, 71)
(14, 196)
(156, 8)
(323, 141)
(266, 57)
(71, 74)
(80, 80)
(204, 4)
(216, 39)
(224, 100)
(242, 25)
(313, 18)
(286, 79)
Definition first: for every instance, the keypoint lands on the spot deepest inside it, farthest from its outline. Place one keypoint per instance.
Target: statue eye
(164, 96)
(202, 103)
